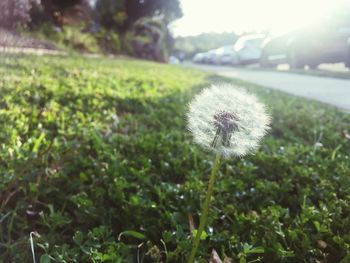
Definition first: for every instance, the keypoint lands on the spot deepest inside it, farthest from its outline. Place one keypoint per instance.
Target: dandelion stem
(32, 245)
(205, 209)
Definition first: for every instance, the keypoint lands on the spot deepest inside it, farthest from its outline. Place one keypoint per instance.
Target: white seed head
(227, 120)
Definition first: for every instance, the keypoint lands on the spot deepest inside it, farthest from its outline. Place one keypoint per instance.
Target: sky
(240, 16)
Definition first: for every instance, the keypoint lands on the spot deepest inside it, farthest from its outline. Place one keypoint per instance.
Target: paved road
(328, 90)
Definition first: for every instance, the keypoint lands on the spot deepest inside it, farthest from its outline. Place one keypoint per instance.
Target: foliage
(117, 15)
(191, 45)
(109, 41)
(95, 158)
(148, 39)
(14, 13)
(75, 38)
(111, 14)
(137, 9)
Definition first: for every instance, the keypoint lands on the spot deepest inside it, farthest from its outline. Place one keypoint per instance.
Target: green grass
(96, 158)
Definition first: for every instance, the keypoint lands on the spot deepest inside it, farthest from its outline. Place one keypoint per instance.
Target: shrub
(109, 41)
(77, 39)
(148, 39)
(68, 37)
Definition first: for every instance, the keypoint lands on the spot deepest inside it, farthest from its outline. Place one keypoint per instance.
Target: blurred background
(298, 33)
(272, 33)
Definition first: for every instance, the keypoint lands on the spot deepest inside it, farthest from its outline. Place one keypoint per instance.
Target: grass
(95, 157)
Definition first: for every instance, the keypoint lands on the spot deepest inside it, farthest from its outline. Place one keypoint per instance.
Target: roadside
(332, 91)
(337, 70)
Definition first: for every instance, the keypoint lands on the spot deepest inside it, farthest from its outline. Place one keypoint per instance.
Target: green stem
(205, 211)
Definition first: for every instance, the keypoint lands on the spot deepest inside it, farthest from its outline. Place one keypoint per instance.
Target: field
(96, 159)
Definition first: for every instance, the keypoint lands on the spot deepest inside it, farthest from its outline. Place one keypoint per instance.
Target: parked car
(248, 48)
(245, 51)
(198, 58)
(226, 55)
(211, 57)
(347, 62)
(311, 46)
(173, 60)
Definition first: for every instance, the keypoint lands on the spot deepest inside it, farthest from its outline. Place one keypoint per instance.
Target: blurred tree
(67, 11)
(122, 14)
(136, 9)
(144, 23)
(147, 39)
(15, 12)
(111, 14)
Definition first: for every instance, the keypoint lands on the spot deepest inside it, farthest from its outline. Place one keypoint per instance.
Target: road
(328, 90)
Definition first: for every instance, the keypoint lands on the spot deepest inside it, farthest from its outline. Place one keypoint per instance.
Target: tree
(136, 9)
(111, 14)
(15, 12)
(67, 11)
(122, 14)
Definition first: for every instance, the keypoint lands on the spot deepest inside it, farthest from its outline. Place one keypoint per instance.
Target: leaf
(256, 250)
(132, 233)
(78, 238)
(346, 259)
(203, 235)
(45, 258)
(37, 142)
(334, 153)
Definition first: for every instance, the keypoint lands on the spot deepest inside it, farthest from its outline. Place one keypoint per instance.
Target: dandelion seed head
(227, 120)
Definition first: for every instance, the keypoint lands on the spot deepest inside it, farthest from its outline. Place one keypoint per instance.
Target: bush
(148, 40)
(77, 39)
(109, 41)
(68, 37)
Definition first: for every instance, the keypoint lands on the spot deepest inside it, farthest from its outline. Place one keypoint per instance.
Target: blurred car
(311, 46)
(173, 60)
(347, 62)
(211, 57)
(248, 48)
(226, 55)
(198, 58)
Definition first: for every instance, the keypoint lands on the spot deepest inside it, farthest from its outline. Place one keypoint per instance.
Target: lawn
(96, 159)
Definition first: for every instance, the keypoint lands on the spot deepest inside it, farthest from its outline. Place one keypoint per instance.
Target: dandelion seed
(227, 120)
(225, 124)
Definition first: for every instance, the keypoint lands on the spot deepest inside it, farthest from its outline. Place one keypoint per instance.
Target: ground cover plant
(96, 160)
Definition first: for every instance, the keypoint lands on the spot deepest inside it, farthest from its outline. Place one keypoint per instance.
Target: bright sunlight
(277, 16)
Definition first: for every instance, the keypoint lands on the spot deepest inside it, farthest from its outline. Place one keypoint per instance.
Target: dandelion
(229, 122)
